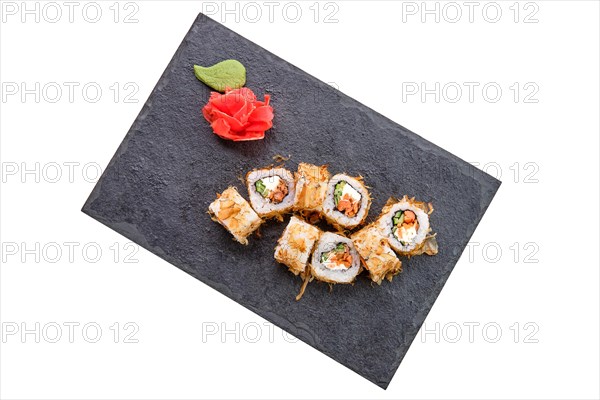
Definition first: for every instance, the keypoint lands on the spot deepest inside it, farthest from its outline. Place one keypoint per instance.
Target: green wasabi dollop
(226, 74)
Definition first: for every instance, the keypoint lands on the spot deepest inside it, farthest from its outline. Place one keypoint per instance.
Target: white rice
(326, 243)
(338, 218)
(263, 206)
(385, 225)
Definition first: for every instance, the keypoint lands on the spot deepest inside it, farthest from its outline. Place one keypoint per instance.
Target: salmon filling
(338, 258)
(405, 226)
(272, 188)
(347, 199)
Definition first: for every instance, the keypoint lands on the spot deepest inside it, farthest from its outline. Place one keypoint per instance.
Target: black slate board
(157, 188)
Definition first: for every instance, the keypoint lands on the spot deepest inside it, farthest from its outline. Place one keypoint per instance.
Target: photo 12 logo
(470, 92)
(453, 12)
(70, 252)
(50, 172)
(69, 332)
(515, 172)
(493, 252)
(249, 332)
(272, 11)
(53, 12)
(471, 332)
(69, 92)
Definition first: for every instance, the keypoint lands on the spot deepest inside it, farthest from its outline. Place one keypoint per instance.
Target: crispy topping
(228, 208)
(228, 212)
(313, 217)
(298, 243)
(312, 184)
(280, 158)
(234, 223)
(227, 203)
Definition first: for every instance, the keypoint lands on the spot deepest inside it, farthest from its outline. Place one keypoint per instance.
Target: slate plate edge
(488, 183)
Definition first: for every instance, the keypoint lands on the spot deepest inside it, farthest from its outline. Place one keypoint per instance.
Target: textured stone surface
(158, 186)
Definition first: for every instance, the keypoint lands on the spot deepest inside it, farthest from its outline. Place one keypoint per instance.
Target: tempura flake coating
(376, 255)
(295, 245)
(311, 186)
(232, 211)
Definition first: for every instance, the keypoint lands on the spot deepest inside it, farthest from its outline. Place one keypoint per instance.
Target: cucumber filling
(272, 188)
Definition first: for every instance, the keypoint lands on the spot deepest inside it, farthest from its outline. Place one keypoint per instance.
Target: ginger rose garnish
(237, 115)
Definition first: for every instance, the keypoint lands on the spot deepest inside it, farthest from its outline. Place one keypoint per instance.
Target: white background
(545, 287)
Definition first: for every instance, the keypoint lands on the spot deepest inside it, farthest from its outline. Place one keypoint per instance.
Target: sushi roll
(271, 191)
(232, 211)
(405, 224)
(311, 185)
(335, 260)
(376, 255)
(347, 202)
(295, 245)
